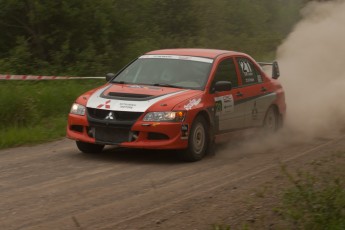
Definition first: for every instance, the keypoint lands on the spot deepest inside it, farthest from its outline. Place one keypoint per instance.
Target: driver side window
(226, 71)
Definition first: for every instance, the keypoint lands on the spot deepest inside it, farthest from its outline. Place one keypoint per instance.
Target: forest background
(92, 38)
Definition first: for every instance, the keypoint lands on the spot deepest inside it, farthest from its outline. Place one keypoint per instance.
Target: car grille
(110, 135)
(118, 115)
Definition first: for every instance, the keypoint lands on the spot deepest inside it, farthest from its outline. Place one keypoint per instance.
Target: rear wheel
(271, 121)
(197, 141)
(89, 147)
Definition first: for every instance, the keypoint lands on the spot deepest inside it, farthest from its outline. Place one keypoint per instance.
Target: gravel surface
(53, 186)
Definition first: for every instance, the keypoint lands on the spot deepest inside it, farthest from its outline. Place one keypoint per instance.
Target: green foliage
(91, 38)
(47, 129)
(26, 103)
(62, 34)
(37, 110)
(315, 202)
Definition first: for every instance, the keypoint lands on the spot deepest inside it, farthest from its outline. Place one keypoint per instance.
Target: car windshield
(168, 70)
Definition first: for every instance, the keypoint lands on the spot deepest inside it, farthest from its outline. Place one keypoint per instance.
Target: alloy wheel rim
(199, 138)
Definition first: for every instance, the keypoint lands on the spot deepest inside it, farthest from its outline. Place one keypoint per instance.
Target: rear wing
(275, 68)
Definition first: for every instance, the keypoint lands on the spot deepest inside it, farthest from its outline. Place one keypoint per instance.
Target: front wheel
(197, 141)
(89, 147)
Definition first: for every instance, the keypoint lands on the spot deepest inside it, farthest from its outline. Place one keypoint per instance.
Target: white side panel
(230, 116)
(257, 109)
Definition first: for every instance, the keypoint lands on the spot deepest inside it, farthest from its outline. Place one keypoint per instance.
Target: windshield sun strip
(178, 57)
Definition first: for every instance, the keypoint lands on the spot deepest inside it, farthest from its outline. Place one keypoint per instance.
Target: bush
(316, 201)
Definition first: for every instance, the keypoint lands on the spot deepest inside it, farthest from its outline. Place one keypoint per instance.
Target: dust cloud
(312, 66)
(312, 63)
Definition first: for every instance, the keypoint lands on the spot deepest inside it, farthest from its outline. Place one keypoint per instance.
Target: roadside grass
(48, 129)
(317, 199)
(36, 111)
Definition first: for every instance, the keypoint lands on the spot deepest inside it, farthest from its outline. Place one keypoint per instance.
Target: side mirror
(275, 70)
(221, 86)
(109, 76)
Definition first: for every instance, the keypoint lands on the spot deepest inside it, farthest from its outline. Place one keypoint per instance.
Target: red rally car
(178, 99)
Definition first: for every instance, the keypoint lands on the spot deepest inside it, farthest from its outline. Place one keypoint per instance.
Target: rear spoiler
(275, 68)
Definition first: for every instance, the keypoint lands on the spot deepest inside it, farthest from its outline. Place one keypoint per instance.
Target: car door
(228, 114)
(255, 93)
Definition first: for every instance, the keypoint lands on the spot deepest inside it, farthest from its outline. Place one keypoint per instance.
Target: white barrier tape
(30, 77)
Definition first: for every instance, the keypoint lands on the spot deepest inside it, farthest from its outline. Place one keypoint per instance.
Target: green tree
(88, 37)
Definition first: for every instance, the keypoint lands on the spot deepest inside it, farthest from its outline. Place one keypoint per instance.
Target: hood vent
(128, 95)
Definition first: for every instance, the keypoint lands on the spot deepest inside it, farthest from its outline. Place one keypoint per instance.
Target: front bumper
(147, 135)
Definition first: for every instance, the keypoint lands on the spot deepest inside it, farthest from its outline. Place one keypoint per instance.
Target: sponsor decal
(219, 106)
(227, 98)
(250, 80)
(192, 103)
(259, 78)
(124, 105)
(224, 104)
(106, 104)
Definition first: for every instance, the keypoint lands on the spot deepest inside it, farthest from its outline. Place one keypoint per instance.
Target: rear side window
(226, 71)
(250, 75)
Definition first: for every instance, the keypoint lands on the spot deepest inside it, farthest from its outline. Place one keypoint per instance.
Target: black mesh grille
(111, 135)
(118, 115)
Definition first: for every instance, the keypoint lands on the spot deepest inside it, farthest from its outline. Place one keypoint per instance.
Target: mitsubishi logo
(110, 116)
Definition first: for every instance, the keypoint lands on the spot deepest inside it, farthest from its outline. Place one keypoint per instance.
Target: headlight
(78, 109)
(165, 116)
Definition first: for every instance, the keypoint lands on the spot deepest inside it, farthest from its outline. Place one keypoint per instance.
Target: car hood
(138, 98)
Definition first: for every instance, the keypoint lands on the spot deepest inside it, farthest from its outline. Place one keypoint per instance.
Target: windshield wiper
(166, 85)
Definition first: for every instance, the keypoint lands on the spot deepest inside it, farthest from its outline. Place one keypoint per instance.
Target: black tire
(198, 141)
(89, 147)
(271, 121)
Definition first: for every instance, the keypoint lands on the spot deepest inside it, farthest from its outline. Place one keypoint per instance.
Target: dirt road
(53, 186)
